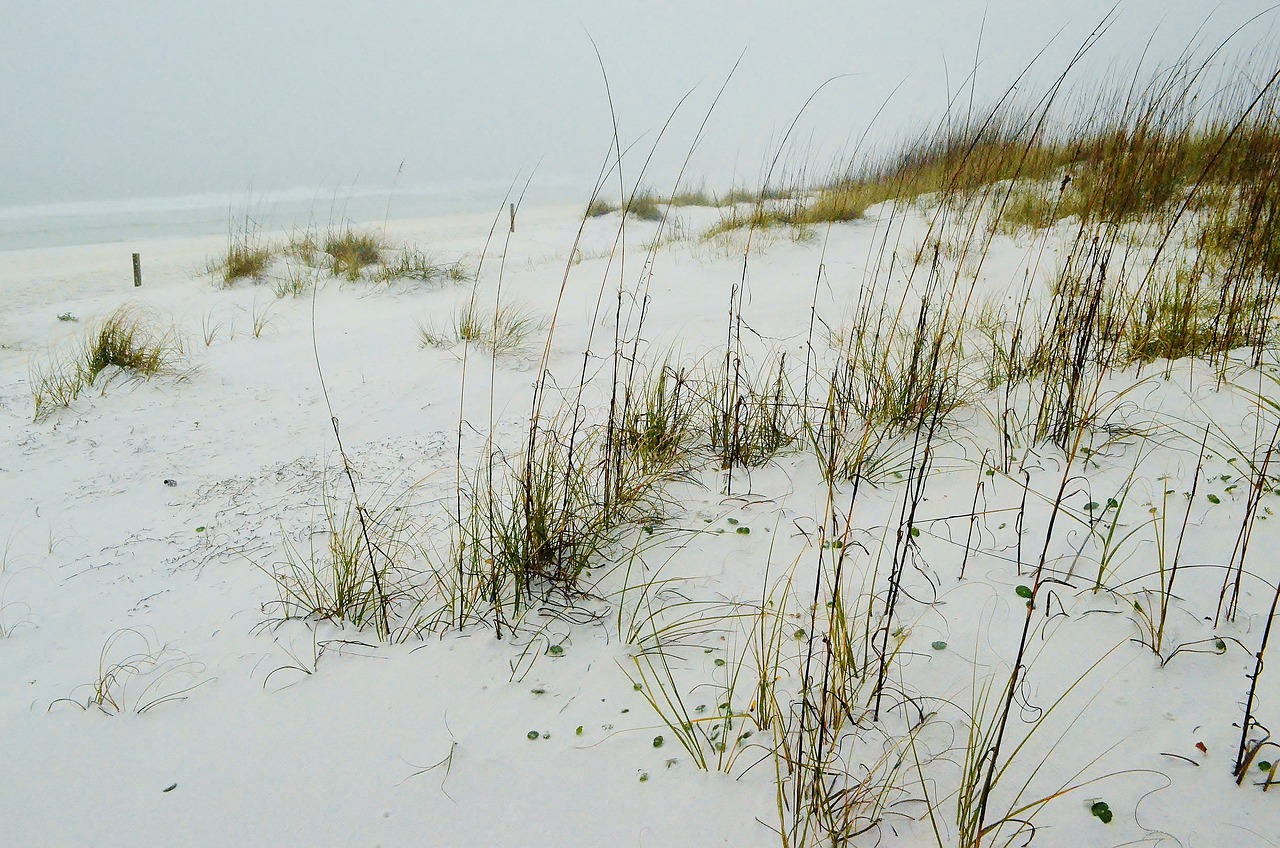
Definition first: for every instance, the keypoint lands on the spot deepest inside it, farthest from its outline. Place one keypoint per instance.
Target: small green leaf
(1220, 646)
(578, 732)
(1105, 816)
(701, 708)
(1023, 591)
(732, 520)
(1099, 807)
(1091, 506)
(533, 734)
(939, 645)
(800, 634)
(1264, 765)
(745, 531)
(637, 687)
(1112, 503)
(644, 776)
(556, 650)
(657, 741)
(915, 532)
(1214, 499)
(719, 662)
(539, 691)
(200, 529)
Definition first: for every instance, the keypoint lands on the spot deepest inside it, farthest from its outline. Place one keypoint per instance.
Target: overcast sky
(134, 99)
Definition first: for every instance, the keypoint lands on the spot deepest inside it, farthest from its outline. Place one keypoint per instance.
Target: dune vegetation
(1000, 461)
(963, 541)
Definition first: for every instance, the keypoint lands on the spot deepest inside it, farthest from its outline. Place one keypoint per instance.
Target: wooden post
(512, 207)
(137, 270)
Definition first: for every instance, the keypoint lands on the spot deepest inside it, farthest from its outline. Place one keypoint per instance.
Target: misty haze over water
(208, 111)
(109, 221)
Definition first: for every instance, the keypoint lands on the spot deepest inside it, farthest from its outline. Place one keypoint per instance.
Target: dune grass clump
(599, 207)
(661, 422)
(351, 251)
(128, 339)
(304, 246)
(646, 206)
(411, 263)
(755, 414)
(246, 262)
(125, 340)
(759, 217)
(890, 381)
(248, 256)
(739, 195)
(1181, 318)
(353, 571)
(649, 205)
(503, 331)
(692, 197)
(836, 204)
(533, 525)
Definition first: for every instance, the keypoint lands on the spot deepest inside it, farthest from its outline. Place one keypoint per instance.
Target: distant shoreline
(71, 224)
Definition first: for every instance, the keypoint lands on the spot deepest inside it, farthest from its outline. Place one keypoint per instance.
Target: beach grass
(950, 437)
(129, 340)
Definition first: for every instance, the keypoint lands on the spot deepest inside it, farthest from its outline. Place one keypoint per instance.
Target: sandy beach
(156, 684)
(846, 425)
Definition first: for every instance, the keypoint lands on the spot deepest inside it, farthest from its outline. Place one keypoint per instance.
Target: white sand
(94, 543)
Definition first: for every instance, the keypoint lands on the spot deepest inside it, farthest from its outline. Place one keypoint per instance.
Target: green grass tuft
(351, 251)
(128, 339)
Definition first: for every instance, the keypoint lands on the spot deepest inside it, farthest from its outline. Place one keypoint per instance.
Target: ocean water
(115, 221)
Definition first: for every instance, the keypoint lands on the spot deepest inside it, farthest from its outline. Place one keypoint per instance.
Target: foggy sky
(134, 99)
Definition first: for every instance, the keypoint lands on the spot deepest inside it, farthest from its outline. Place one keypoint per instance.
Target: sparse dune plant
(646, 206)
(350, 251)
(661, 421)
(304, 246)
(533, 525)
(411, 263)
(755, 415)
(247, 257)
(138, 681)
(130, 339)
(501, 332)
(353, 571)
(599, 207)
